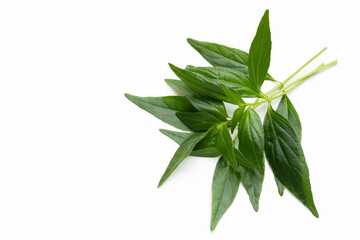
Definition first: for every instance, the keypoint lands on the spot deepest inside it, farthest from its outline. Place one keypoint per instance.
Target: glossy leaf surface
(252, 180)
(236, 118)
(259, 54)
(286, 158)
(164, 108)
(224, 144)
(251, 138)
(224, 189)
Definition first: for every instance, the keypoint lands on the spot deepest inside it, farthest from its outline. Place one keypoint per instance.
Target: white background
(79, 161)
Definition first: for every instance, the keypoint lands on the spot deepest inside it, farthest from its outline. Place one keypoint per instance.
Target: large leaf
(222, 56)
(232, 79)
(252, 180)
(201, 103)
(259, 54)
(164, 108)
(288, 111)
(251, 138)
(224, 143)
(205, 148)
(198, 121)
(224, 188)
(232, 95)
(286, 158)
(183, 151)
(242, 160)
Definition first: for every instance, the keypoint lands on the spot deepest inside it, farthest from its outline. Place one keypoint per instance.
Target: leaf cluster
(241, 140)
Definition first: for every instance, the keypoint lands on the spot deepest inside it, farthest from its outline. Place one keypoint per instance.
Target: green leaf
(252, 180)
(280, 187)
(236, 117)
(232, 79)
(242, 160)
(224, 144)
(288, 111)
(286, 158)
(205, 148)
(164, 108)
(251, 138)
(183, 151)
(224, 189)
(198, 121)
(259, 54)
(222, 56)
(233, 96)
(199, 84)
(201, 103)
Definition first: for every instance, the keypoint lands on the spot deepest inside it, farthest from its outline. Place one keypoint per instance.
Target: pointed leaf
(204, 148)
(280, 186)
(232, 79)
(233, 96)
(236, 117)
(224, 144)
(286, 158)
(242, 160)
(224, 189)
(259, 54)
(252, 180)
(198, 121)
(202, 104)
(251, 138)
(164, 108)
(183, 151)
(287, 110)
(222, 56)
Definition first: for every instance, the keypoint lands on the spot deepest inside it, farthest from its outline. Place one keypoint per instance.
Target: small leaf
(183, 151)
(201, 103)
(222, 56)
(224, 144)
(197, 121)
(164, 108)
(288, 111)
(251, 138)
(286, 158)
(236, 117)
(252, 180)
(224, 189)
(205, 148)
(259, 54)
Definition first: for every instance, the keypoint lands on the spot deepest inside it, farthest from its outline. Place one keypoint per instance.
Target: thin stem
(296, 72)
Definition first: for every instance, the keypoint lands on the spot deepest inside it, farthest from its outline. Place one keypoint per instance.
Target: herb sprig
(201, 112)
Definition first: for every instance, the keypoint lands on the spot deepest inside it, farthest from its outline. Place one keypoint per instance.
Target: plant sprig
(201, 112)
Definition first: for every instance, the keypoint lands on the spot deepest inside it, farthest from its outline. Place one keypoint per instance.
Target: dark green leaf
(233, 79)
(183, 151)
(286, 158)
(236, 117)
(242, 160)
(224, 144)
(164, 108)
(224, 189)
(198, 121)
(252, 180)
(205, 148)
(259, 54)
(222, 56)
(201, 103)
(251, 138)
(280, 186)
(288, 111)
